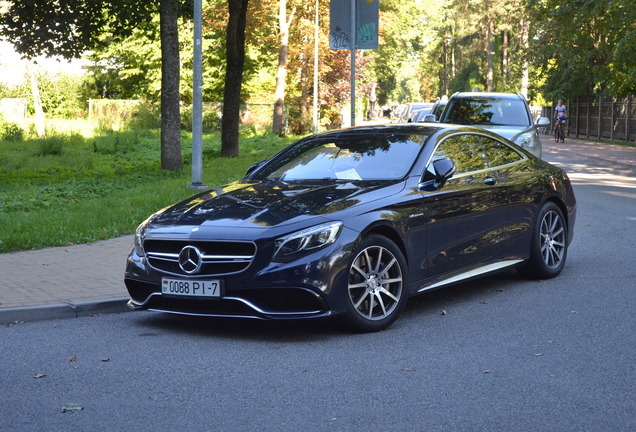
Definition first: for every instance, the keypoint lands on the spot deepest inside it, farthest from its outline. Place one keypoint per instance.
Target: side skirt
(471, 274)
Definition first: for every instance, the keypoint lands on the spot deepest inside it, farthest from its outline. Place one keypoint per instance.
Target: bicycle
(559, 133)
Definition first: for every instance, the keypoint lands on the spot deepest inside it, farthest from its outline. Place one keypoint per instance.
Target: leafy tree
(70, 27)
(585, 47)
(480, 44)
(404, 63)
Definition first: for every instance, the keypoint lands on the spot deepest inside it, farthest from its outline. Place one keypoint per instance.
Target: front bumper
(313, 286)
(264, 303)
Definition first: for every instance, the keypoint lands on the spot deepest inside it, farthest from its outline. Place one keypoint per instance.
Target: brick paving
(68, 276)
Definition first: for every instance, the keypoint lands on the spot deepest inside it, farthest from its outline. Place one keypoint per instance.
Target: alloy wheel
(375, 283)
(552, 239)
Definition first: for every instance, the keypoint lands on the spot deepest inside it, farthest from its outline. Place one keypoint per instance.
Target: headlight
(525, 140)
(139, 238)
(306, 241)
(140, 234)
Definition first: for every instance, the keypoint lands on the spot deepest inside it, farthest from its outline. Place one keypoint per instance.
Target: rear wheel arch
(563, 209)
(548, 246)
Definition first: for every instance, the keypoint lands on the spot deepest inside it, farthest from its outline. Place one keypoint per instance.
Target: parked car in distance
(350, 223)
(412, 107)
(506, 114)
(397, 112)
(437, 109)
(420, 115)
(420, 112)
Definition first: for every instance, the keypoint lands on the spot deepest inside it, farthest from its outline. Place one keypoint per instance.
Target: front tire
(376, 287)
(548, 249)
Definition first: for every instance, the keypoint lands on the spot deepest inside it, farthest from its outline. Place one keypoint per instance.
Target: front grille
(217, 257)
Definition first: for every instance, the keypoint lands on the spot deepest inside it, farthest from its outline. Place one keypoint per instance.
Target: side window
(466, 151)
(498, 153)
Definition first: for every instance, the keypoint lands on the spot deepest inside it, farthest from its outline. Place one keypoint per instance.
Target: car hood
(266, 204)
(508, 132)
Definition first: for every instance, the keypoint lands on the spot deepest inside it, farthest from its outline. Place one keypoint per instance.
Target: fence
(13, 109)
(599, 118)
(117, 114)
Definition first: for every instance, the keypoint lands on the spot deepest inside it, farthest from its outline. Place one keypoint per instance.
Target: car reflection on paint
(351, 223)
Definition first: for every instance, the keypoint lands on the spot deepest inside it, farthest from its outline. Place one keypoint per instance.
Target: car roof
(488, 94)
(426, 129)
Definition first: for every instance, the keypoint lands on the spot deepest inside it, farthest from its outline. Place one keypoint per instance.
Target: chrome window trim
(522, 157)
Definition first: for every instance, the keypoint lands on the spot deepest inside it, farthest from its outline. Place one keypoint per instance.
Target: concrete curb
(63, 311)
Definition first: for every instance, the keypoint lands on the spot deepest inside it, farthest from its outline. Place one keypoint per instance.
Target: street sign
(341, 34)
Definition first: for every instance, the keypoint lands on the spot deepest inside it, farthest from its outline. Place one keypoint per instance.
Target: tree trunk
(525, 32)
(170, 69)
(281, 74)
(445, 68)
(235, 51)
(305, 100)
(504, 60)
(490, 44)
(37, 104)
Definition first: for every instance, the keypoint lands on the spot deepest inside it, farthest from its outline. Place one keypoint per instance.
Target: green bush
(11, 131)
(145, 116)
(211, 121)
(116, 142)
(52, 146)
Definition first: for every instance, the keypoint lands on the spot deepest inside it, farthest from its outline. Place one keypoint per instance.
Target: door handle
(490, 181)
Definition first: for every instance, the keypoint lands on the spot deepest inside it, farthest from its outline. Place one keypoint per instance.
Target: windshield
(486, 111)
(377, 157)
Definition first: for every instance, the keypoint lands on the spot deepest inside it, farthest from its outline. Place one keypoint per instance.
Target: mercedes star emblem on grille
(190, 259)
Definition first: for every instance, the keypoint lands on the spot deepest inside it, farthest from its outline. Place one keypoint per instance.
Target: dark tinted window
(466, 151)
(377, 157)
(438, 108)
(477, 110)
(498, 153)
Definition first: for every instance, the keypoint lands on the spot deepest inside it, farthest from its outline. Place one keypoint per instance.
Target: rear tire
(548, 249)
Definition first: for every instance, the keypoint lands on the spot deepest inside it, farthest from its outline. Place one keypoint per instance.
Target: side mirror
(444, 170)
(543, 121)
(430, 118)
(253, 167)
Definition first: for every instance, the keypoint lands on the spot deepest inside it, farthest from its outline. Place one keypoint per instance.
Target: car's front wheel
(376, 284)
(548, 249)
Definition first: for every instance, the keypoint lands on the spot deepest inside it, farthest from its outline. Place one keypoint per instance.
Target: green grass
(78, 187)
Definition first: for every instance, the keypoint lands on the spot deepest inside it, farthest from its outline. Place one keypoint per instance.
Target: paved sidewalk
(616, 154)
(79, 280)
(64, 282)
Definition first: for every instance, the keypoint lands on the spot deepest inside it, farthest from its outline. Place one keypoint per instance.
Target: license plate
(198, 288)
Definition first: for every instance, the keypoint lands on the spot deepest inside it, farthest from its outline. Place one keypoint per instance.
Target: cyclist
(560, 116)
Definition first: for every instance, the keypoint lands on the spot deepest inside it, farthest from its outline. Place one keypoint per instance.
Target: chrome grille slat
(163, 255)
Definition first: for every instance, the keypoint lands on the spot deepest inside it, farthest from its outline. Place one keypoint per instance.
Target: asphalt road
(499, 354)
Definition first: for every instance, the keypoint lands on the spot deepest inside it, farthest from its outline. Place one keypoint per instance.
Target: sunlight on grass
(76, 186)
